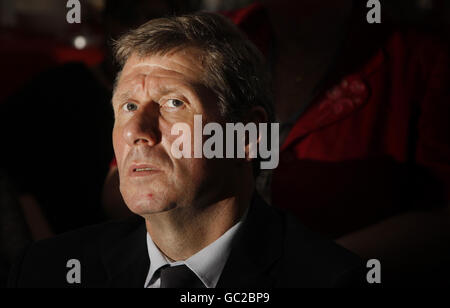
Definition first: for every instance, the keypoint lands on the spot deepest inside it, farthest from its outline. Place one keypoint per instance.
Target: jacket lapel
(257, 246)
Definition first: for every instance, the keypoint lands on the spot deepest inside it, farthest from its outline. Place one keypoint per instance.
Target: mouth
(137, 170)
(143, 169)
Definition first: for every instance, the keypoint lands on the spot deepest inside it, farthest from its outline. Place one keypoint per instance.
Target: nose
(143, 127)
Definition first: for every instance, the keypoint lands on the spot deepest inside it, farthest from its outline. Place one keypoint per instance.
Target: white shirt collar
(207, 264)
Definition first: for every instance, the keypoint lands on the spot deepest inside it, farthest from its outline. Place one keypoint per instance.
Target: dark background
(35, 34)
(37, 44)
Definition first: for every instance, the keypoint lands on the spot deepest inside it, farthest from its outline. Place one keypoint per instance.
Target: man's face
(153, 94)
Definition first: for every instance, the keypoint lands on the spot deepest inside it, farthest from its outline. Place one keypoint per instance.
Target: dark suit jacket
(271, 250)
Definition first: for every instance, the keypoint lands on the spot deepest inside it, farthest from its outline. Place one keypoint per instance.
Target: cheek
(165, 128)
(115, 140)
(168, 139)
(118, 145)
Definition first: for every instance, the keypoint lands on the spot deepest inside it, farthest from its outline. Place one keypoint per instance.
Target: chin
(147, 205)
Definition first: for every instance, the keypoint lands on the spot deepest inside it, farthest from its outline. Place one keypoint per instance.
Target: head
(172, 69)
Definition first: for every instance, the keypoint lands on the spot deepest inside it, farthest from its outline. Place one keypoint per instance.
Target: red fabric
(377, 141)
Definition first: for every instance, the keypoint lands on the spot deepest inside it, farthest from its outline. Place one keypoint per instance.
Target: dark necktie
(179, 276)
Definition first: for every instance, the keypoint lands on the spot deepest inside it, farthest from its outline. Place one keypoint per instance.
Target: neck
(183, 231)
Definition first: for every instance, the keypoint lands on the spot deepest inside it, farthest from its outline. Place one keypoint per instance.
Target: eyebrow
(162, 90)
(121, 97)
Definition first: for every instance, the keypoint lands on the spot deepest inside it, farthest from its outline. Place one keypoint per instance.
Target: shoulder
(310, 259)
(47, 261)
(294, 255)
(100, 234)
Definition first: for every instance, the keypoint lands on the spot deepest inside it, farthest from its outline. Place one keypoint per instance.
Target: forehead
(184, 66)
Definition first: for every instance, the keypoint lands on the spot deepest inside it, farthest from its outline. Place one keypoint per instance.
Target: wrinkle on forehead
(141, 75)
(151, 86)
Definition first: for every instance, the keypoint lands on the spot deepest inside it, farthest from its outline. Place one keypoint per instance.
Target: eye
(129, 106)
(173, 103)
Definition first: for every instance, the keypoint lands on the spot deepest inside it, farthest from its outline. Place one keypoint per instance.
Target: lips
(143, 169)
(136, 170)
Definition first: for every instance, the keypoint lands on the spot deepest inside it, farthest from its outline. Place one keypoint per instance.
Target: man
(204, 225)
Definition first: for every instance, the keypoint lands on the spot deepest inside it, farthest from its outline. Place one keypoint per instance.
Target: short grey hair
(235, 69)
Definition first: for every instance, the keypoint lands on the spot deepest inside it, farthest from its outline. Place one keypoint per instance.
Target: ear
(256, 115)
